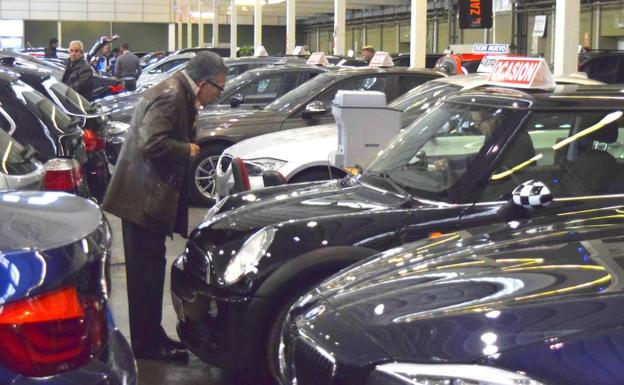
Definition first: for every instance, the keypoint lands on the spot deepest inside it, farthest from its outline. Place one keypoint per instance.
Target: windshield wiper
(398, 187)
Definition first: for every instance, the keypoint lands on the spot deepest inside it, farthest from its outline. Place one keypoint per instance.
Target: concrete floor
(155, 372)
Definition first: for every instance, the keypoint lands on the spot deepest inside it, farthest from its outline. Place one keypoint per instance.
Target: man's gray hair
(78, 43)
(205, 65)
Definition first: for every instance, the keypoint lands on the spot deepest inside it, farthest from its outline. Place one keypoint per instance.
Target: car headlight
(214, 210)
(247, 258)
(255, 167)
(443, 374)
(116, 128)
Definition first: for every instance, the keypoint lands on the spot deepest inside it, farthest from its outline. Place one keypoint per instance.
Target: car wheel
(317, 174)
(202, 178)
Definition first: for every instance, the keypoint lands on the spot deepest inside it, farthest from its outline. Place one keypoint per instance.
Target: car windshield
(436, 150)
(45, 110)
(70, 99)
(419, 99)
(303, 93)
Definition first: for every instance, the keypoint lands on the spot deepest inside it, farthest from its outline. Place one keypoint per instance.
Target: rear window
(11, 152)
(45, 110)
(70, 99)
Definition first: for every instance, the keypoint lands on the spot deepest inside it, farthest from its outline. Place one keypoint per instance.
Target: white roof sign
(521, 72)
(491, 49)
(318, 58)
(381, 59)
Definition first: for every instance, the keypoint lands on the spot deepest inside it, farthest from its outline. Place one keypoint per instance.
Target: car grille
(198, 262)
(313, 365)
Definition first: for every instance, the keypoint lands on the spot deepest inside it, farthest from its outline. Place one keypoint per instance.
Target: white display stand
(365, 125)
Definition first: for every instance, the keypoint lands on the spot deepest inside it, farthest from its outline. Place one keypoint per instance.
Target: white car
(303, 154)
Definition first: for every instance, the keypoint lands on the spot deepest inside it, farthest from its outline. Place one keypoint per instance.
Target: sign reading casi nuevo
(475, 14)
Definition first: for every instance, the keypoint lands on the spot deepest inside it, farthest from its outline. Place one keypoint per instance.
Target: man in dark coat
(128, 67)
(78, 74)
(148, 192)
(50, 50)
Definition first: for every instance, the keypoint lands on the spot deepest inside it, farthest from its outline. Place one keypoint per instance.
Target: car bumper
(220, 329)
(97, 173)
(115, 366)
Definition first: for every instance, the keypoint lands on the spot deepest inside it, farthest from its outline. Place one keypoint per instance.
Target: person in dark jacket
(128, 67)
(50, 50)
(78, 74)
(149, 192)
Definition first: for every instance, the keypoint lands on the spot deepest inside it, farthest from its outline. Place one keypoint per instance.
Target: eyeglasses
(215, 85)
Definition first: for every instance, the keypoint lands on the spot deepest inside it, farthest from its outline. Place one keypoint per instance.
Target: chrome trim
(320, 350)
(10, 120)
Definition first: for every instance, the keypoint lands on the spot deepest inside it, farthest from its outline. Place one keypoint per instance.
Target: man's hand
(194, 149)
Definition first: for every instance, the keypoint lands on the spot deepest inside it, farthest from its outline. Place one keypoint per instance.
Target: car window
(573, 153)
(408, 82)
(418, 100)
(433, 153)
(45, 110)
(471, 66)
(234, 71)
(71, 100)
(165, 67)
(603, 68)
(268, 88)
(11, 152)
(370, 83)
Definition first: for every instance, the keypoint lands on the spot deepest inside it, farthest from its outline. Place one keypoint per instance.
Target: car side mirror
(313, 109)
(532, 194)
(237, 100)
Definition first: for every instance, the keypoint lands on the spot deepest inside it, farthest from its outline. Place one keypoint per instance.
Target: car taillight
(117, 88)
(62, 175)
(51, 333)
(93, 141)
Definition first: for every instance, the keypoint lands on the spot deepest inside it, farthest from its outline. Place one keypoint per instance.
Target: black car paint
(51, 240)
(366, 215)
(96, 167)
(547, 288)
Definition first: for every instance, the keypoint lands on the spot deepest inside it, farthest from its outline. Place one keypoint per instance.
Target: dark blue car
(56, 326)
(536, 302)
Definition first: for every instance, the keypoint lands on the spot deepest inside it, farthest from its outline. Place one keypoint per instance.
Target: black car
(403, 59)
(32, 119)
(56, 325)
(307, 105)
(523, 302)
(93, 120)
(603, 65)
(454, 168)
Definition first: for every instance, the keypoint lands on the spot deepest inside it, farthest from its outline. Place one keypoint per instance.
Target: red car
(459, 64)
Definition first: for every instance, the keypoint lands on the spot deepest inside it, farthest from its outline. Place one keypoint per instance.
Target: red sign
(521, 72)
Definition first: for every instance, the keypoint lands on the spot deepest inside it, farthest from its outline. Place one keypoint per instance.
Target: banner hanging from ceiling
(475, 14)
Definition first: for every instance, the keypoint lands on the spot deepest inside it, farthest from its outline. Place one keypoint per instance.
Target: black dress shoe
(162, 353)
(174, 344)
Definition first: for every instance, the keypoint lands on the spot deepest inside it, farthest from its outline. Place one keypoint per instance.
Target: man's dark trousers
(145, 276)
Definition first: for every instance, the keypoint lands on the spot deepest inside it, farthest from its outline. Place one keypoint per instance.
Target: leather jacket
(78, 75)
(149, 187)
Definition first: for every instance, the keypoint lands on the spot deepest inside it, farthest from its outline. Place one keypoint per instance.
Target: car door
(582, 167)
(370, 82)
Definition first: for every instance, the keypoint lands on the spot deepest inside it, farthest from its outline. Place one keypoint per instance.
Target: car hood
(465, 297)
(289, 203)
(306, 144)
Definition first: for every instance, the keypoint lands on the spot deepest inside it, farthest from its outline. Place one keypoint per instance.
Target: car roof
(349, 71)
(291, 68)
(7, 77)
(567, 97)
(477, 79)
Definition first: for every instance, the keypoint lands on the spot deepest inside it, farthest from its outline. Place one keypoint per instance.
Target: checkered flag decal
(532, 194)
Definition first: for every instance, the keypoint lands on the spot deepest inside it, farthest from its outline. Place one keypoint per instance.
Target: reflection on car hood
(306, 144)
(463, 297)
(300, 201)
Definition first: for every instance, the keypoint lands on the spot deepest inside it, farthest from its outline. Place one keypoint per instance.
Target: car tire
(316, 175)
(201, 180)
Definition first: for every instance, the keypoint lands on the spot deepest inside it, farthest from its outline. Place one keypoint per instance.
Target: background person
(78, 74)
(50, 50)
(367, 52)
(127, 67)
(149, 192)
